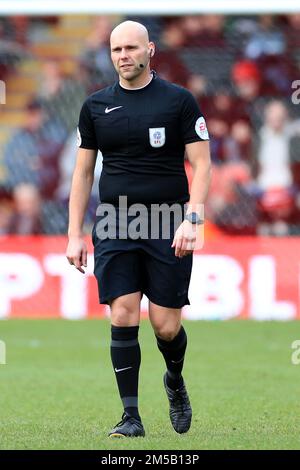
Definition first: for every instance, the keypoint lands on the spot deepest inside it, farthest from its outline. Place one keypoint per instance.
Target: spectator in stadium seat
(60, 96)
(219, 132)
(204, 31)
(231, 203)
(274, 170)
(278, 71)
(247, 80)
(224, 105)
(267, 47)
(192, 27)
(239, 143)
(213, 34)
(95, 59)
(31, 155)
(197, 84)
(267, 40)
(172, 35)
(210, 32)
(12, 48)
(167, 61)
(170, 67)
(292, 32)
(27, 216)
(273, 148)
(230, 144)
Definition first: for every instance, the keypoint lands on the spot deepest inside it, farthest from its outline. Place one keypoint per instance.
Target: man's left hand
(184, 239)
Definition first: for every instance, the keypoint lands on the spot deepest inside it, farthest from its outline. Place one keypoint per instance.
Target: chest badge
(157, 136)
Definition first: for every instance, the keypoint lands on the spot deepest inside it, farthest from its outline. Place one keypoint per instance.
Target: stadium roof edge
(155, 7)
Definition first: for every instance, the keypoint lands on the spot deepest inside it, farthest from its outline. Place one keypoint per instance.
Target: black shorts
(124, 266)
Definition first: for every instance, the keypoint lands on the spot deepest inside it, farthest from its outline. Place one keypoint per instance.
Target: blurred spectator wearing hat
(270, 77)
(247, 80)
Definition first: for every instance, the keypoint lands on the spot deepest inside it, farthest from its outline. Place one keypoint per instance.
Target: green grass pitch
(58, 391)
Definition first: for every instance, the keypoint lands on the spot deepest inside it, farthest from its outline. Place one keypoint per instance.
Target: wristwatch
(194, 218)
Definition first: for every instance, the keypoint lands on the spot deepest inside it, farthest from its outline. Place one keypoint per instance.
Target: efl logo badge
(201, 129)
(157, 136)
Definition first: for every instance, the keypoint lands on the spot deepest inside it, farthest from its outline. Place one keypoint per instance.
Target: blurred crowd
(240, 69)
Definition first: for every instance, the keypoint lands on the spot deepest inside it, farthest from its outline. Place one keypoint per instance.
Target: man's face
(128, 51)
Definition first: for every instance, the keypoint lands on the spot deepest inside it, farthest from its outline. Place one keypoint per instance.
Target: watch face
(194, 218)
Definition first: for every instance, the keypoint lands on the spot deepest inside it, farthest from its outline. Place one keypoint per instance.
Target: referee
(143, 125)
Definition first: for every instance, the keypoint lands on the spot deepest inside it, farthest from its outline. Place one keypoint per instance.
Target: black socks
(126, 359)
(173, 352)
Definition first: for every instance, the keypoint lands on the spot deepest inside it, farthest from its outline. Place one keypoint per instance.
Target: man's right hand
(77, 253)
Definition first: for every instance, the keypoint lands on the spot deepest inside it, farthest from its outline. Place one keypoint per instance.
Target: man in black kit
(143, 125)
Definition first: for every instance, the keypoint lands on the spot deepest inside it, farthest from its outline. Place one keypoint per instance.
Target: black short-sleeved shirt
(142, 135)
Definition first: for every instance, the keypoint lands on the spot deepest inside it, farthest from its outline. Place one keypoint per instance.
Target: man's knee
(166, 332)
(124, 314)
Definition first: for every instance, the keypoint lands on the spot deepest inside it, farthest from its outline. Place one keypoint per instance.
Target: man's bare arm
(82, 182)
(199, 157)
